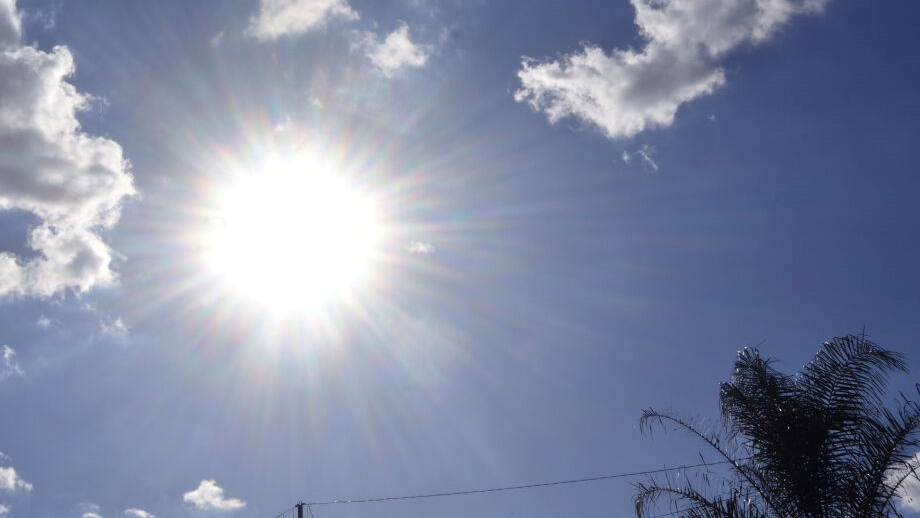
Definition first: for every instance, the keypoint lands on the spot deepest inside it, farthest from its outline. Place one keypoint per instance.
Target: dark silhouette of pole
(300, 510)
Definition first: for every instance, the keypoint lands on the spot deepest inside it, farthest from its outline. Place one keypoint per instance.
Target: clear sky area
(262, 252)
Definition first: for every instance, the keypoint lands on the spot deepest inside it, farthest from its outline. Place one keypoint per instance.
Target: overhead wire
(505, 488)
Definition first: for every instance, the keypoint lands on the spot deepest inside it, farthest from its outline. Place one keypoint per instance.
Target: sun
(293, 235)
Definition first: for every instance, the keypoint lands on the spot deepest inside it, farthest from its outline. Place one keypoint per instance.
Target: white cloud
(625, 92)
(9, 367)
(909, 492)
(139, 513)
(11, 481)
(91, 515)
(396, 51)
(210, 496)
(73, 182)
(418, 247)
(277, 18)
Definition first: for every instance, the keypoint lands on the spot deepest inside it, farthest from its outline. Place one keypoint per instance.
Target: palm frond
(820, 443)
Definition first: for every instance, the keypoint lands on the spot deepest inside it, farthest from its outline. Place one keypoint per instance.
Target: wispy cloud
(646, 156)
(277, 18)
(395, 52)
(139, 513)
(624, 92)
(9, 367)
(209, 496)
(46, 17)
(73, 182)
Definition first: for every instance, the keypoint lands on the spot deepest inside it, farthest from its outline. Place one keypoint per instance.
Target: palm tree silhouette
(819, 443)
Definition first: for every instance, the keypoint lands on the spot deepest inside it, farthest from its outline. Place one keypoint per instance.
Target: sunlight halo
(293, 235)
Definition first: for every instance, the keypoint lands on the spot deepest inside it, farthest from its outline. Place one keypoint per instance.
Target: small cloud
(92, 515)
(43, 322)
(396, 52)
(418, 247)
(9, 367)
(114, 327)
(646, 154)
(712, 117)
(209, 496)
(139, 513)
(11, 481)
(217, 39)
(626, 91)
(277, 18)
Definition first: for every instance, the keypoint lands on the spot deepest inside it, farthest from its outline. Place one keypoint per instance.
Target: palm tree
(819, 443)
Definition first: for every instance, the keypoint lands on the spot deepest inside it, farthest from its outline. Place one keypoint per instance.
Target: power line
(514, 488)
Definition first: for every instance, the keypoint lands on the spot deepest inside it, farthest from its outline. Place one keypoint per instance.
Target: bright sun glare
(293, 235)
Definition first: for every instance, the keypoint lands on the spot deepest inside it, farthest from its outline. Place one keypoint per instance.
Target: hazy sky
(257, 252)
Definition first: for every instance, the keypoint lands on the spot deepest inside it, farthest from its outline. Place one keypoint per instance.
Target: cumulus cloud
(11, 481)
(209, 496)
(92, 515)
(624, 92)
(139, 513)
(9, 367)
(4, 510)
(395, 52)
(73, 182)
(277, 18)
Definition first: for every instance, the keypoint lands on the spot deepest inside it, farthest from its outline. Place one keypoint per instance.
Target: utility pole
(300, 509)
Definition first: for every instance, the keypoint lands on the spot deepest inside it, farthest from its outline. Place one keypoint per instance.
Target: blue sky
(268, 251)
